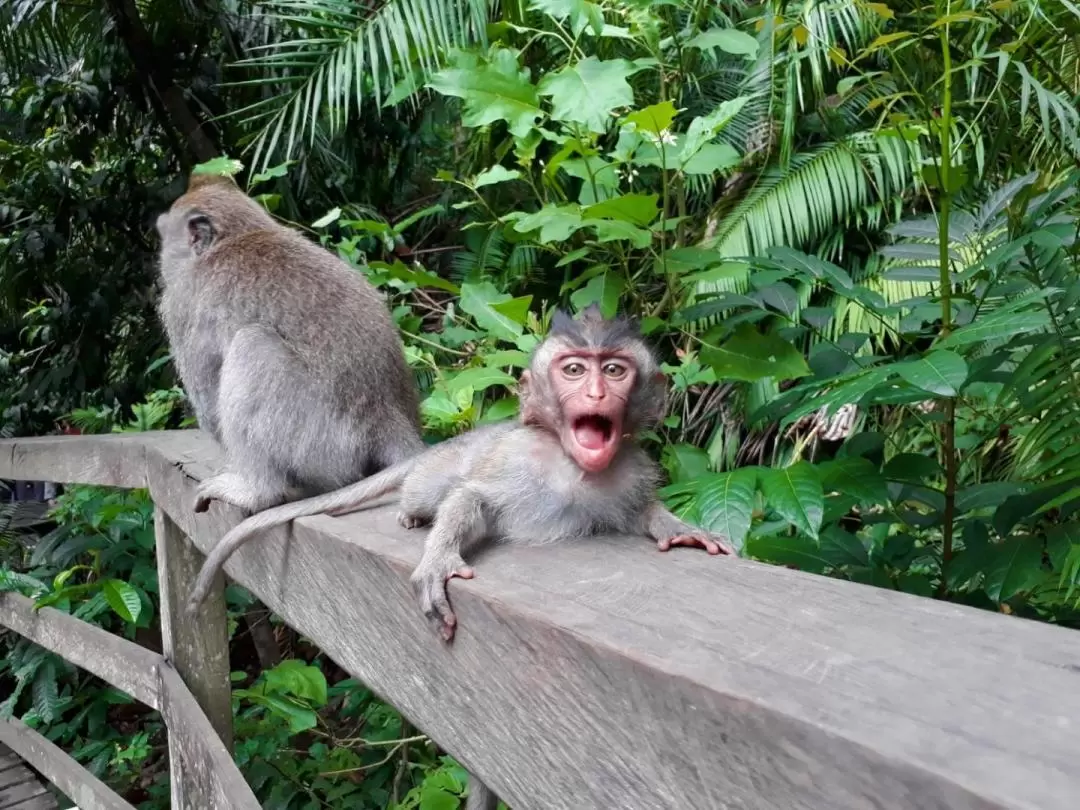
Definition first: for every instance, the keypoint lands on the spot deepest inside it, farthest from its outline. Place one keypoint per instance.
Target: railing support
(198, 646)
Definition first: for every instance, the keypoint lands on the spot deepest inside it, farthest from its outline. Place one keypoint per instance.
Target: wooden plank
(211, 778)
(78, 784)
(205, 763)
(198, 646)
(124, 664)
(602, 674)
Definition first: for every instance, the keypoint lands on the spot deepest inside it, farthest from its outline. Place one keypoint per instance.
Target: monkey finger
(465, 572)
(702, 540)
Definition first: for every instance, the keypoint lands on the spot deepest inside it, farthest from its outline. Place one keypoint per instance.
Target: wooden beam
(602, 673)
(198, 646)
(78, 784)
(208, 769)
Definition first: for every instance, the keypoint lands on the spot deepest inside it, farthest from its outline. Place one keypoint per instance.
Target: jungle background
(849, 227)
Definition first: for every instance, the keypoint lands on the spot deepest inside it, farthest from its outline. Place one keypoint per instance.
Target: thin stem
(949, 427)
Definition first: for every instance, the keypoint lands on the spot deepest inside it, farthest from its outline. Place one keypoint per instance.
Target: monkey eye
(573, 369)
(614, 370)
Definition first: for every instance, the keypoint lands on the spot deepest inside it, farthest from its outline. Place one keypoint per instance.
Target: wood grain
(605, 674)
(86, 790)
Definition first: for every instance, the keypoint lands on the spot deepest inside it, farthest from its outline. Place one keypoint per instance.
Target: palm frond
(337, 53)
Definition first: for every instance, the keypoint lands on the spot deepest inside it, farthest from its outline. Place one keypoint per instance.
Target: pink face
(593, 388)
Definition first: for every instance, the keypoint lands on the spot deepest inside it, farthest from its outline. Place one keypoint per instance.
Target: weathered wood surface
(208, 769)
(604, 674)
(20, 787)
(82, 787)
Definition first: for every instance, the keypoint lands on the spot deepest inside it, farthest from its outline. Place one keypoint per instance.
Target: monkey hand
(429, 582)
(712, 543)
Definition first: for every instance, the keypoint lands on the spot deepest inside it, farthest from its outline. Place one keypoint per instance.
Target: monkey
(289, 357)
(561, 469)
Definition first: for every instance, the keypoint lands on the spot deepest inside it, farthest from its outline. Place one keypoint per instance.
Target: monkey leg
(458, 523)
(235, 489)
(667, 530)
(481, 796)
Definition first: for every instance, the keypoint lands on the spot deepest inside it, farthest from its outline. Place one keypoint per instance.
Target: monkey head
(592, 382)
(212, 207)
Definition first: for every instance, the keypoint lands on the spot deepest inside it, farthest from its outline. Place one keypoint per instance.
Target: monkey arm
(667, 530)
(460, 522)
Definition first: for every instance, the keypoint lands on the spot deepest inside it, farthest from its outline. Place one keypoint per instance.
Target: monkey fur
(288, 355)
(562, 469)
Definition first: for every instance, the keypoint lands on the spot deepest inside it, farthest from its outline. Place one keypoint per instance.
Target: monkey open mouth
(596, 438)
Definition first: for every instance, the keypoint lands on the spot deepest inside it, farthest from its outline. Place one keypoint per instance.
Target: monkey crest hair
(592, 332)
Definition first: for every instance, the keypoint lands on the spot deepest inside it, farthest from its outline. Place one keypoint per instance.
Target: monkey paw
(429, 582)
(712, 543)
(410, 521)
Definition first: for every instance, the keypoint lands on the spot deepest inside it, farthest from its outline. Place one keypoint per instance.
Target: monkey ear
(200, 232)
(524, 384)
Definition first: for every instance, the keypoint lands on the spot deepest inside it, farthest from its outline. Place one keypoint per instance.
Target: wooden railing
(596, 674)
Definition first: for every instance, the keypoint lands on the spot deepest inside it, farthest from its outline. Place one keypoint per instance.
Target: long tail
(340, 501)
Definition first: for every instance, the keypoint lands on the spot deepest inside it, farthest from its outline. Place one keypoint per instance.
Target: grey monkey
(561, 470)
(289, 356)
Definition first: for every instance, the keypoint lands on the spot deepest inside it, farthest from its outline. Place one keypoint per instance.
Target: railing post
(198, 646)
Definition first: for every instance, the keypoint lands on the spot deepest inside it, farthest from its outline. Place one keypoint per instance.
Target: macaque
(565, 468)
(288, 355)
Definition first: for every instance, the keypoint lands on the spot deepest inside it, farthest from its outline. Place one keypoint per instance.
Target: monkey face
(592, 388)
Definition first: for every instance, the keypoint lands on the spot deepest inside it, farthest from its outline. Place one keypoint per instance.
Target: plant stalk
(949, 428)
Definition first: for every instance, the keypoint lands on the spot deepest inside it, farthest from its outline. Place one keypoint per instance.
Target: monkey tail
(339, 502)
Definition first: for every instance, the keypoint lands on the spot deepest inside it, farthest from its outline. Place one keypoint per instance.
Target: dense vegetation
(849, 226)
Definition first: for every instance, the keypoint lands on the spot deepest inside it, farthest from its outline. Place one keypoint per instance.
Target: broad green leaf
(1016, 566)
(497, 91)
(857, 477)
(478, 300)
(613, 230)
(478, 378)
(685, 462)
(416, 275)
(912, 467)
(582, 13)
(587, 92)
(711, 157)
(220, 165)
(795, 494)
(726, 503)
(798, 551)
(840, 548)
(810, 266)
(439, 800)
(122, 598)
(500, 409)
(1060, 540)
(637, 209)
(996, 326)
(705, 127)
(686, 259)
(604, 290)
(728, 40)
(294, 677)
(940, 372)
(496, 174)
(655, 118)
(750, 356)
(556, 222)
(516, 309)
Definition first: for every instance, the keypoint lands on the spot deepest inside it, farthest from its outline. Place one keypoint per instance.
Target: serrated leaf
(556, 222)
(655, 118)
(478, 378)
(940, 372)
(795, 494)
(750, 356)
(588, 91)
(496, 174)
(857, 477)
(497, 91)
(603, 290)
(729, 40)
(726, 503)
(45, 692)
(122, 598)
(637, 209)
(478, 300)
(220, 165)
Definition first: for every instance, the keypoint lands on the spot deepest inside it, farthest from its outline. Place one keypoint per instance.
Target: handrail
(602, 674)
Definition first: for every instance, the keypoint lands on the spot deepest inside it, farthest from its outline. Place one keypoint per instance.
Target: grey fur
(289, 356)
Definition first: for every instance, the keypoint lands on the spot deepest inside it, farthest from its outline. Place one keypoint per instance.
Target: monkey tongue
(591, 434)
